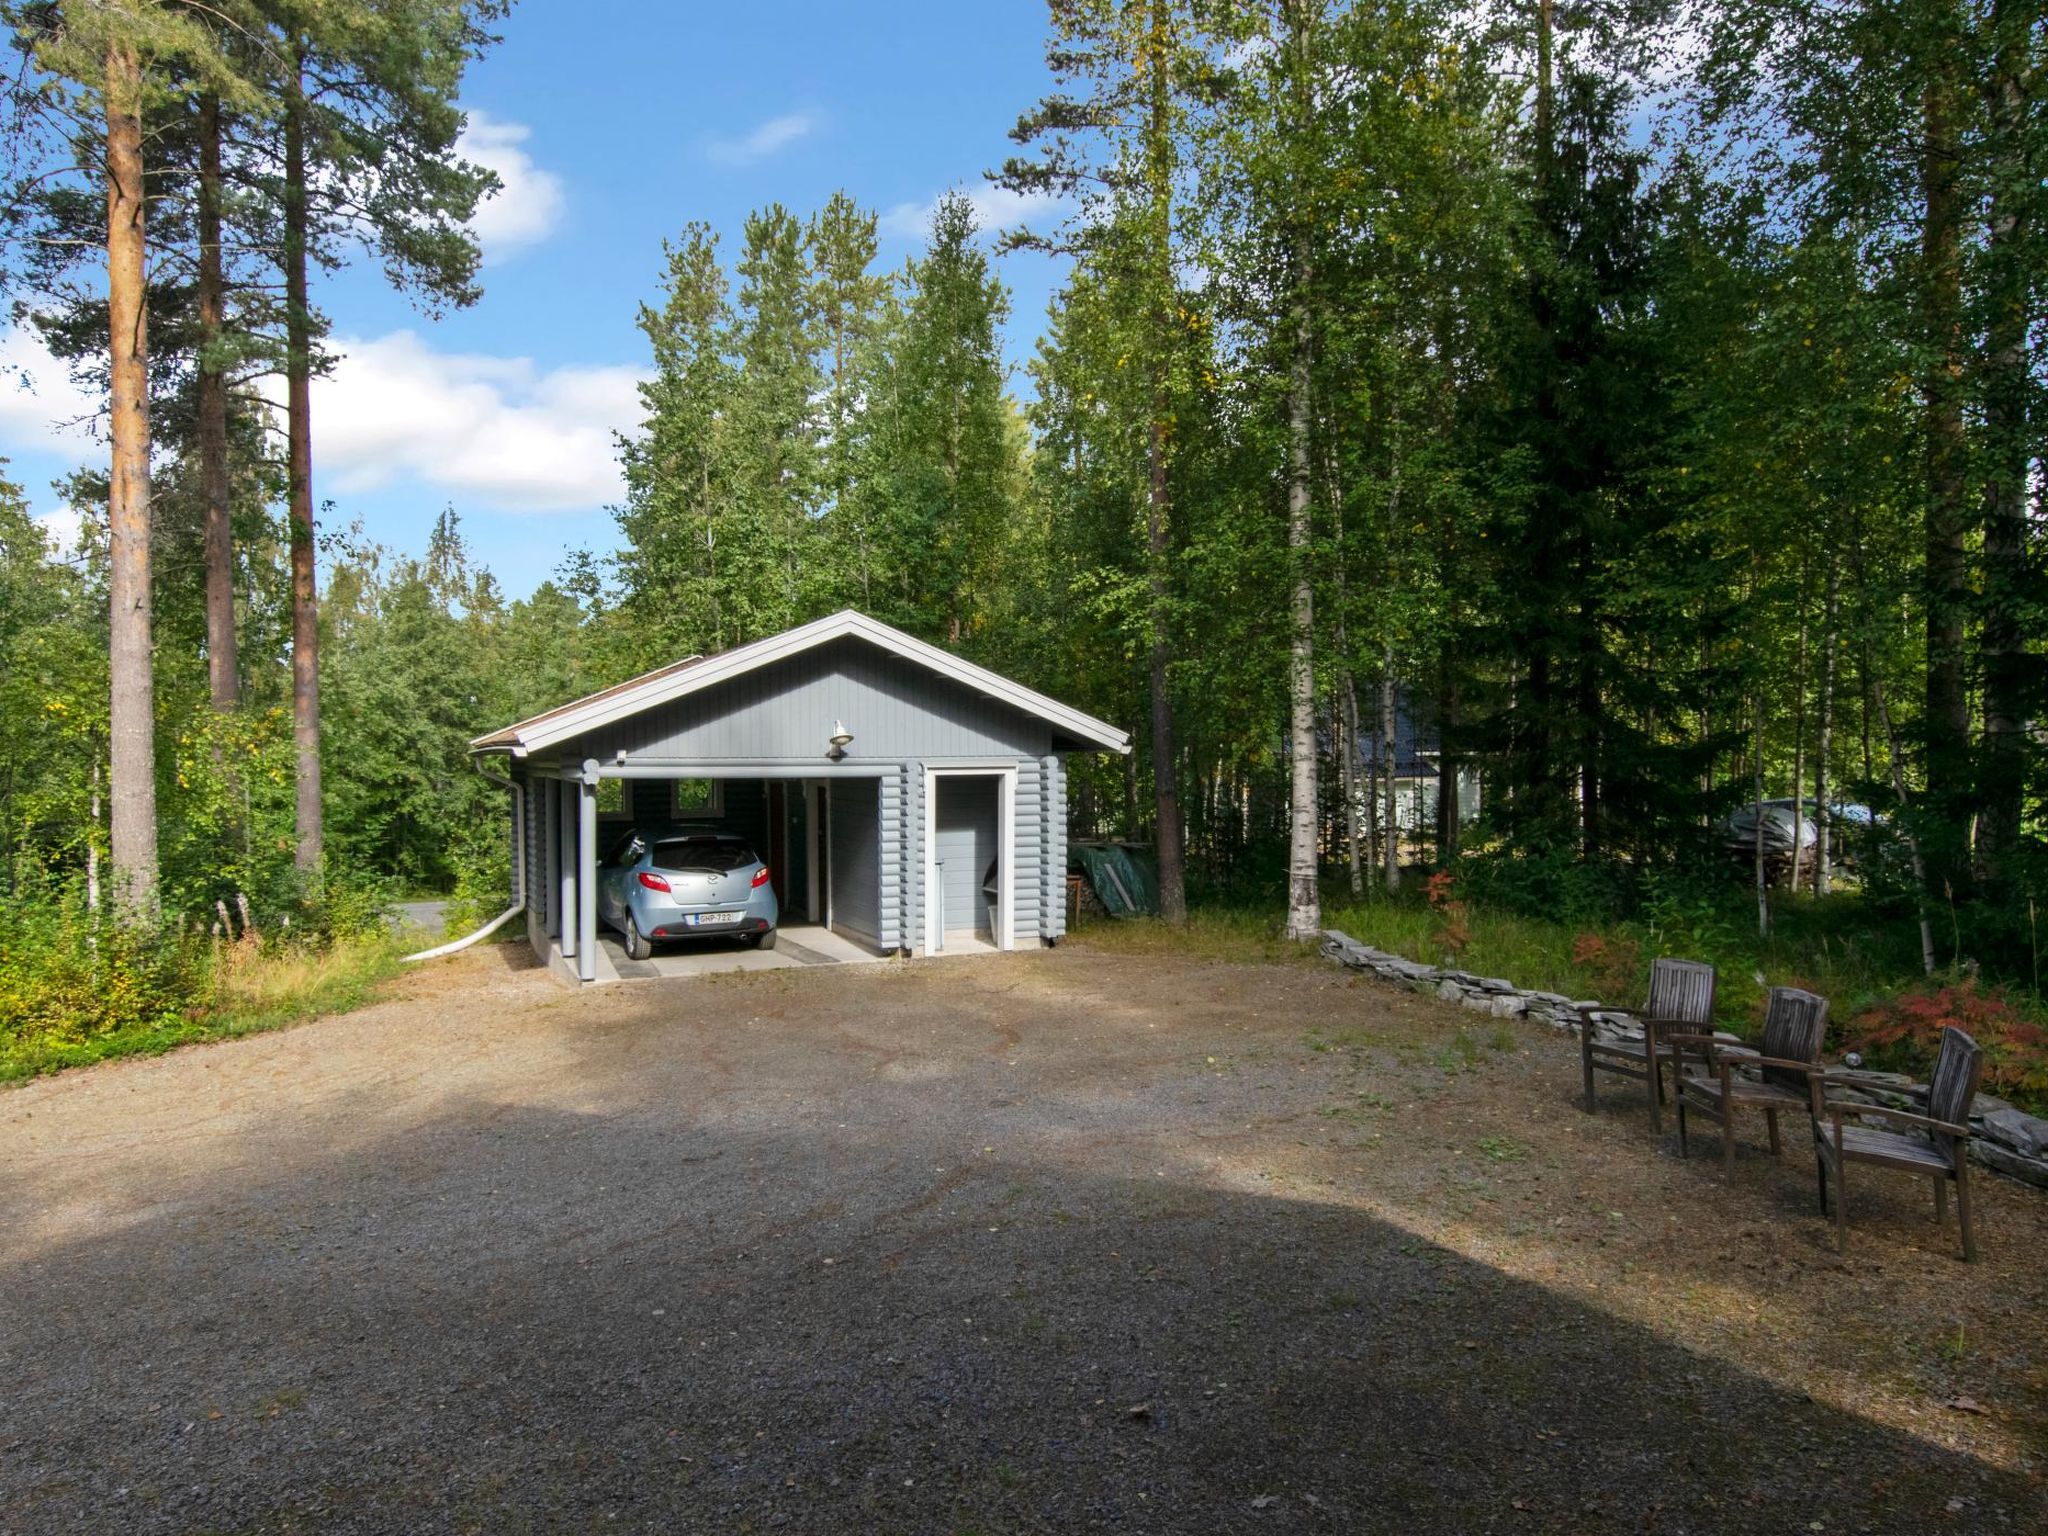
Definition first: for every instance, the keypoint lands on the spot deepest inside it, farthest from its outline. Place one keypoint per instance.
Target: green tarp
(1124, 876)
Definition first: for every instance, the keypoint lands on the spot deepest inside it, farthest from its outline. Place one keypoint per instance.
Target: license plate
(709, 919)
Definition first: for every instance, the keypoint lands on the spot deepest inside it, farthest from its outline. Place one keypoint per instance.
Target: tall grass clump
(76, 987)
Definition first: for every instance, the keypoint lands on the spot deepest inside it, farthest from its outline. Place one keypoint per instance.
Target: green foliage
(1631, 455)
(1903, 1034)
(76, 987)
(69, 983)
(483, 879)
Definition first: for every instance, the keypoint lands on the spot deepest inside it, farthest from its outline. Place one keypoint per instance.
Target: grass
(252, 990)
(1845, 947)
(1215, 934)
(1836, 948)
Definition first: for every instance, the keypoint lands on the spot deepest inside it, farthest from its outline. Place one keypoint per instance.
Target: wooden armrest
(1837, 1109)
(1849, 1078)
(1743, 1056)
(1696, 1039)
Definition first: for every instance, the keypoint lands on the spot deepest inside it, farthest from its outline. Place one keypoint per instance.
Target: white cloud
(62, 528)
(530, 205)
(499, 430)
(41, 409)
(42, 412)
(776, 133)
(995, 209)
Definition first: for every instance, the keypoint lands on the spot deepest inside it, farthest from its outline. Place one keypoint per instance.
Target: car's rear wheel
(765, 940)
(637, 947)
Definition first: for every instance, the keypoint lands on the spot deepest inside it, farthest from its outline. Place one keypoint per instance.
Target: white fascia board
(746, 658)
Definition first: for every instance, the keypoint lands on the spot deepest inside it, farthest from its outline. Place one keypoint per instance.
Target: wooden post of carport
(586, 874)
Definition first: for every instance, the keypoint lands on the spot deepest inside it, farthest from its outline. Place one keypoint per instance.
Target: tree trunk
(1824, 736)
(1946, 722)
(1304, 901)
(92, 841)
(211, 391)
(1450, 809)
(1390, 845)
(1348, 739)
(1763, 884)
(2001, 778)
(1160, 167)
(1898, 776)
(1173, 901)
(131, 696)
(299, 470)
(1799, 848)
(1372, 808)
(1592, 832)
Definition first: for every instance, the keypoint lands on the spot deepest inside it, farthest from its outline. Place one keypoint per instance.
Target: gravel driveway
(1064, 1242)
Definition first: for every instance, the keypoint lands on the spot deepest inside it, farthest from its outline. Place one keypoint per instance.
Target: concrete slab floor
(798, 944)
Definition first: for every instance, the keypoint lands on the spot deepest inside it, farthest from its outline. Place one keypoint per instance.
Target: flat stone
(1478, 1002)
(1555, 999)
(2029, 1170)
(1509, 1007)
(2021, 1132)
(1449, 991)
(1498, 984)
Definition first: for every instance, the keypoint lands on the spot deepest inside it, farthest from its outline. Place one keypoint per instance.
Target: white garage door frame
(1006, 849)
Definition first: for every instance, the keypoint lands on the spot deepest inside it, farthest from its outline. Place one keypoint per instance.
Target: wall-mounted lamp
(842, 738)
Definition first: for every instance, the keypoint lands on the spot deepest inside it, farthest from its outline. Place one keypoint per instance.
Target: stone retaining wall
(2005, 1139)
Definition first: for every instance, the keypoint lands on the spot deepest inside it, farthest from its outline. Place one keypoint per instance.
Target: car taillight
(761, 876)
(653, 882)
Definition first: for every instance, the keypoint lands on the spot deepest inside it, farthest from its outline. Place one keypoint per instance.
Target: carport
(905, 800)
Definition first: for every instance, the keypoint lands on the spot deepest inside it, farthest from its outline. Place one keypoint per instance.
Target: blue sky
(613, 124)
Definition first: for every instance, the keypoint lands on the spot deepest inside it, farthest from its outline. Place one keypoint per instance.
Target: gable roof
(695, 673)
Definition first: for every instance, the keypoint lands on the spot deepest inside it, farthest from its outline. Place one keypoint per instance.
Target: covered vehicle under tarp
(1123, 876)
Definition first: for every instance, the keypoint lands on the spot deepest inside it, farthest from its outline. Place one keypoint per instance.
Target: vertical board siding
(854, 866)
(1027, 836)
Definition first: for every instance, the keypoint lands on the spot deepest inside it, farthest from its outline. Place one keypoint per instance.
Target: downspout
(518, 883)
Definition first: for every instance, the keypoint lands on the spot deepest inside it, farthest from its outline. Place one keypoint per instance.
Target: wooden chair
(1721, 1078)
(1682, 999)
(1937, 1147)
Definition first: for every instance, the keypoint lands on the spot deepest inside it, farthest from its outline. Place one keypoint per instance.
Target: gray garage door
(965, 846)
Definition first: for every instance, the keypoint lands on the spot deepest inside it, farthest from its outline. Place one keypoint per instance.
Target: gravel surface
(1062, 1242)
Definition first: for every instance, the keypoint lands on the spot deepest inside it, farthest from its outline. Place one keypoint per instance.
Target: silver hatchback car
(682, 882)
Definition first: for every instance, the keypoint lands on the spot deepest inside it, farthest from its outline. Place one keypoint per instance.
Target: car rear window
(714, 854)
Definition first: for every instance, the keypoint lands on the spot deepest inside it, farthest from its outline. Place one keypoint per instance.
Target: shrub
(1903, 1034)
(76, 986)
(1612, 963)
(1453, 928)
(1550, 883)
(68, 980)
(483, 878)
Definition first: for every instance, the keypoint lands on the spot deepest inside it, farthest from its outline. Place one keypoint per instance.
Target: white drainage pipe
(518, 886)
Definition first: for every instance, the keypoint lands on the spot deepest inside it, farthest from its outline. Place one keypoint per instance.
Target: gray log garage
(903, 798)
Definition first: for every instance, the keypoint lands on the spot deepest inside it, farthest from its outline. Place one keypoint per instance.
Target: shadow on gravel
(517, 1319)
